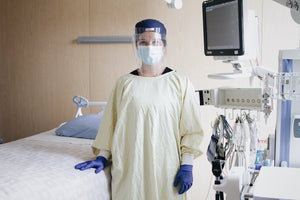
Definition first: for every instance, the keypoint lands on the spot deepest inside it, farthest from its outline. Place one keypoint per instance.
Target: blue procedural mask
(150, 55)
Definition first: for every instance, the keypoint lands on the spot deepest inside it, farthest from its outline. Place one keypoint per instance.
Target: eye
(157, 43)
(142, 43)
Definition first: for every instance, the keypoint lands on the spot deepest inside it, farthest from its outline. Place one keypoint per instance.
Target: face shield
(150, 46)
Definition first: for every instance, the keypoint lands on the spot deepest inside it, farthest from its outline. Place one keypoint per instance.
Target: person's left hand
(185, 175)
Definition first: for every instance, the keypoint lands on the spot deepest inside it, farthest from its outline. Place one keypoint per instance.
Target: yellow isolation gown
(148, 124)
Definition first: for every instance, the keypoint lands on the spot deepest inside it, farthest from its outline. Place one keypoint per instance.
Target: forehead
(149, 35)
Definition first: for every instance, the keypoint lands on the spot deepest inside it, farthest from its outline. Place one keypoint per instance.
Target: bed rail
(82, 102)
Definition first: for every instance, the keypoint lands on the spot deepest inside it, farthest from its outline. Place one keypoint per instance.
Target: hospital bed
(41, 167)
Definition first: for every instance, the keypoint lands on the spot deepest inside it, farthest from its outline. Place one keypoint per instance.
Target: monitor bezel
(224, 52)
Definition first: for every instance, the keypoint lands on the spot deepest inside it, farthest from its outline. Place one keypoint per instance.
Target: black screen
(223, 27)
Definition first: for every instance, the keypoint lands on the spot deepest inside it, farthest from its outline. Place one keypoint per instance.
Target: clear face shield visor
(149, 45)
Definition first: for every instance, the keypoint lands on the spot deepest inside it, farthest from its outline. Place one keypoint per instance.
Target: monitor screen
(223, 27)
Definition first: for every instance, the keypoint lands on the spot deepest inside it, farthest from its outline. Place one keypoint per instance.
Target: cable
(221, 144)
(219, 150)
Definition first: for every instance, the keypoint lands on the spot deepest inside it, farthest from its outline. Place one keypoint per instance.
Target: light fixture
(174, 4)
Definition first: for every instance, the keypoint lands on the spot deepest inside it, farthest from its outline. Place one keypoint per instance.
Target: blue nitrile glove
(185, 175)
(99, 164)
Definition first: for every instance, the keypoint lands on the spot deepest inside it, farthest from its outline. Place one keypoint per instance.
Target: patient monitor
(230, 33)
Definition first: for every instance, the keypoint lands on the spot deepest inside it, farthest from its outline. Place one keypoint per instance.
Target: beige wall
(42, 67)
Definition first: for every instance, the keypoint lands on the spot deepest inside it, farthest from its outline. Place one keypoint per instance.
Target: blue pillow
(85, 126)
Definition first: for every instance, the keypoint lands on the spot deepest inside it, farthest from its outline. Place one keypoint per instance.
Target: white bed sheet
(41, 167)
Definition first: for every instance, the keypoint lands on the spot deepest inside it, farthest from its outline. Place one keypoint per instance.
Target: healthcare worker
(150, 128)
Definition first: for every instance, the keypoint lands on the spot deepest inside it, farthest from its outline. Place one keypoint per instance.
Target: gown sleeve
(190, 128)
(103, 140)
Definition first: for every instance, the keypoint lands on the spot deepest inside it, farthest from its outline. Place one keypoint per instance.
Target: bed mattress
(41, 167)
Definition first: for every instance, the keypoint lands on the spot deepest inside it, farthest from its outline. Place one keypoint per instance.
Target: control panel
(233, 98)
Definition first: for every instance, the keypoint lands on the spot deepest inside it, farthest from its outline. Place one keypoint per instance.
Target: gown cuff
(104, 153)
(187, 159)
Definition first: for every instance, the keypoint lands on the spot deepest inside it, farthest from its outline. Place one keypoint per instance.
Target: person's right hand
(99, 164)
